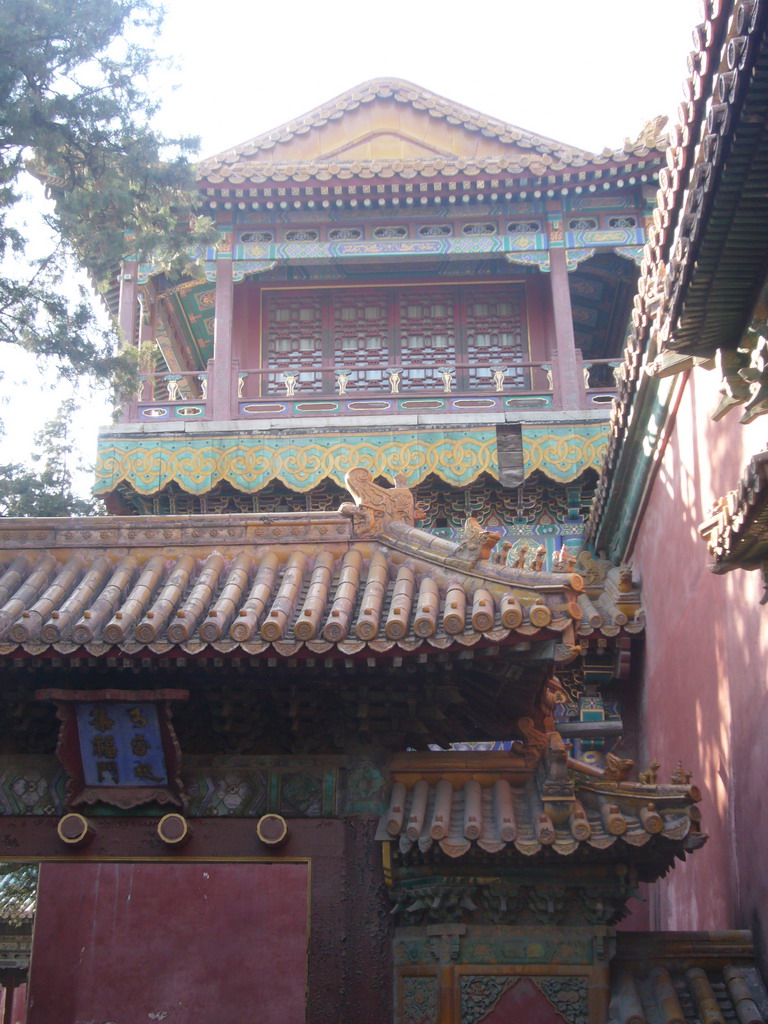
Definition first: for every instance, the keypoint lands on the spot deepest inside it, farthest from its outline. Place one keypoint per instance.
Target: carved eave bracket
(743, 373)
(736, 530)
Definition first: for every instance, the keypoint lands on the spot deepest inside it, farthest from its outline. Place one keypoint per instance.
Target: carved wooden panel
(494, 335)
(427, 321)
(293, 339)
(499, 999)
(361, 337)
(419, 998)
(360, 332)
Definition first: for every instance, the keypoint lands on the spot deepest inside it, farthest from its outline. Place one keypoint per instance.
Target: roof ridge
(382, 87)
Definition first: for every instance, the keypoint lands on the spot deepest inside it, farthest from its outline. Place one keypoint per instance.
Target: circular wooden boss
(173, 829)
(272, 829)
(72, 829)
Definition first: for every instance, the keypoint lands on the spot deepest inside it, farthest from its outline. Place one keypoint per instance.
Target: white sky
(587, 73)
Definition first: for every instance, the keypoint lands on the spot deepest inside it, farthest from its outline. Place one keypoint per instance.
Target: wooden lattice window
(361, 337)
(427, 320)
(479, 229)
(344, 234)
(523, 226)
(622, 222)
(390, 232)
(294, 337)
(494, 335)
(360, 332)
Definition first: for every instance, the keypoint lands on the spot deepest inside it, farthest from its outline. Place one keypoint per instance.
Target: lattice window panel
(294, 340)
(361, 338)
(364, 331)
(427, 334)
(494, 334)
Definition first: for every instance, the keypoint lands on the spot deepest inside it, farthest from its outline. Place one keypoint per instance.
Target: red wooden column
(127, 319)
(128, 309)
(220, 369)
(9, 992)
(566, 361)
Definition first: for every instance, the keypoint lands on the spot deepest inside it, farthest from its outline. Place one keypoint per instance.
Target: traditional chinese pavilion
(328, 721)
(401, 284)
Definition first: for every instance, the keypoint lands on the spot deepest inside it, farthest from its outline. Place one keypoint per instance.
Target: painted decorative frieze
(458, 457)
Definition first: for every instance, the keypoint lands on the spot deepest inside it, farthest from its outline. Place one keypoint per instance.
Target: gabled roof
(388, 127)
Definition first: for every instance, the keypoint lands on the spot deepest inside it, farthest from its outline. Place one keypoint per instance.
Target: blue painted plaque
(121, 744)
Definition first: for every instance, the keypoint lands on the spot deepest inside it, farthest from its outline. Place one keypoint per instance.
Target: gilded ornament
(650, 775)
(680, 776)
(173, 387)
(446, 375)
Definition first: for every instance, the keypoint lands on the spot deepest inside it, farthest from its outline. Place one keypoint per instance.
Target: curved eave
(257, 174)
(720, 259)
(737, 530)
(286, 586)
(536, 644)
(501, 812)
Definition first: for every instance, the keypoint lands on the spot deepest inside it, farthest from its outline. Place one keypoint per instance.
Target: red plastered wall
(191, 943)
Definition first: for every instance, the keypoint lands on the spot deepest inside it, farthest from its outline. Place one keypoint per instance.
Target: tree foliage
(74, 108)
(47, 486)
